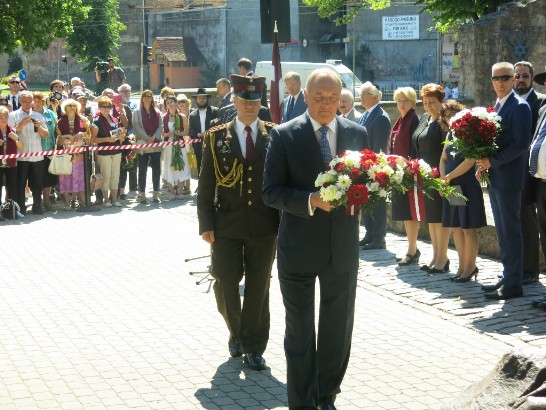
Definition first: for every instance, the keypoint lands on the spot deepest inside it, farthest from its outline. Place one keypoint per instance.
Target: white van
(265, 68)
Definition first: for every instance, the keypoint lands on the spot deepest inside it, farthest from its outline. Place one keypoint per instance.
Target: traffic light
(146, 54)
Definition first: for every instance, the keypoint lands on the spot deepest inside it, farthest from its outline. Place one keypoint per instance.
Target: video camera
(101, 71)
(55, 95)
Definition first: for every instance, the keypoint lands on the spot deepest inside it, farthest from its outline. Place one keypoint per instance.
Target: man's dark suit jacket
(299, 107)
(535, 101)
(226, 100)
(195, 120)
(378, 125)
(508, 164)
(306, 243)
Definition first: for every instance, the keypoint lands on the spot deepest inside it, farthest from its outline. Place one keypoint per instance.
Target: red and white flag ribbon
(417, 198)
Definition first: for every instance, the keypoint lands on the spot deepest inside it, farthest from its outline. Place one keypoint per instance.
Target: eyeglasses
(105, 106)
(366, 95)
(501, 78)
(402, 101)
(182, 102)
(15, 82)
(524, 76)
(71, 106)
(125, 91)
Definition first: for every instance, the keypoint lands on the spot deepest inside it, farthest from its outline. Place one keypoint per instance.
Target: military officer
(233, 219)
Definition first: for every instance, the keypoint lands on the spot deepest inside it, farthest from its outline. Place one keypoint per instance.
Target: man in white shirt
(30, 126)
(347, 106)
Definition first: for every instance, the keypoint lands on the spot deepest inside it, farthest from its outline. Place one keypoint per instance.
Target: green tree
(447, 14)
(96, 36)
(34, 24)
(15, 63)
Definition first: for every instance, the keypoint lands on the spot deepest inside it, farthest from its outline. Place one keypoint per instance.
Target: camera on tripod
(101, 71)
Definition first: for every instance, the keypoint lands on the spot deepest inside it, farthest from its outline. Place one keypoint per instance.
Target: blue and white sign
(23, 75)
(401, 27)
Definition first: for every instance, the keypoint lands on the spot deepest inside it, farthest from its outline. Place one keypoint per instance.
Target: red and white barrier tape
(96, 148)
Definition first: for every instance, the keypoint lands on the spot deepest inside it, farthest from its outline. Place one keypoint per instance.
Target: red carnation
(382, 178)
(357, 195)
(435, 172)
(354, 174)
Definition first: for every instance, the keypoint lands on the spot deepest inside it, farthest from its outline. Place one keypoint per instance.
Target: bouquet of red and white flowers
(474, 133)
(363, 178)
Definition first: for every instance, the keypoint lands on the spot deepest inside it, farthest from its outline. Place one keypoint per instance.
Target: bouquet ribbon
(417, 198)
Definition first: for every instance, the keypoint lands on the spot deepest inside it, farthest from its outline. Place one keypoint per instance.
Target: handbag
(95, 183)
(61, 164)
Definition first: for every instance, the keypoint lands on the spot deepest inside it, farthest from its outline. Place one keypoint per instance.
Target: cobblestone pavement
(99, 311)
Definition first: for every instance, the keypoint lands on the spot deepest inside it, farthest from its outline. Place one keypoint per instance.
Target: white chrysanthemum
(335, 161)
(344, 182)
(372, 186)
(387, 170)
(382, 192)
(373, 170)
(323, 178)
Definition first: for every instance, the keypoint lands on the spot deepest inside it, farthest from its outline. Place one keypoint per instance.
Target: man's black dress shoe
(539, 302)
(505, 292)
(255, 361)
(364, 241)
(234, 347)
(542, 305)
(529, 280)
(372, 245)
(491, 288)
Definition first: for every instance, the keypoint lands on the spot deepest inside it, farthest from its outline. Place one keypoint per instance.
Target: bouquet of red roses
(474, 133)
(363, 178)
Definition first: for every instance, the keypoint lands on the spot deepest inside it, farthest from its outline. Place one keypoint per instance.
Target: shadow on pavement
(236, 386)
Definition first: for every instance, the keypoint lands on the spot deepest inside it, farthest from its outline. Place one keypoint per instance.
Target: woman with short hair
(427, 144)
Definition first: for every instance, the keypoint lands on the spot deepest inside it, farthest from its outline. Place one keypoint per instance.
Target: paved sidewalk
(99, 311)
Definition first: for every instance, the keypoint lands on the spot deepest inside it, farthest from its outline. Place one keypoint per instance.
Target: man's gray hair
(503, 64)
(372, 89)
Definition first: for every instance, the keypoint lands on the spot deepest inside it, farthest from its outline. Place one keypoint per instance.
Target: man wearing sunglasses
(506, 171)
(14, 88)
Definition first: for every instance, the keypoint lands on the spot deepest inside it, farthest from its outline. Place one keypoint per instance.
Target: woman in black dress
(467, 218)
(427, 144)
(400, 144)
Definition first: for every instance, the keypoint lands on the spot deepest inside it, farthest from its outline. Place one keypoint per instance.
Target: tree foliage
(447, 14)
(34, 24)
(96, 37)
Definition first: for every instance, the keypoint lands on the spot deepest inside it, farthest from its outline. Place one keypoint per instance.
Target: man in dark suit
(378, 125)
(314, 241)
(237, 224)
(523, 86)
(223, 88)
(200, 120)
(294, 105)
(507, 172)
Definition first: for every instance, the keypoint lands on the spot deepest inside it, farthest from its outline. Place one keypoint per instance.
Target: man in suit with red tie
(507, 172)
(234, 220)
(315, 241)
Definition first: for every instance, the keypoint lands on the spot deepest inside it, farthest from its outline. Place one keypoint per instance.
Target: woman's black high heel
(474, 274)
(425, 268)
(443, 270)
(410, 259)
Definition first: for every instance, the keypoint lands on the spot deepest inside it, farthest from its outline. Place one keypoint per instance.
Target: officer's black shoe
(234, 347)
(255, 361)
(491, 288)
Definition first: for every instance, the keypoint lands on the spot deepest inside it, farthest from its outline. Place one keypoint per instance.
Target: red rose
(435, 172)
(340, 166)
(357, 195)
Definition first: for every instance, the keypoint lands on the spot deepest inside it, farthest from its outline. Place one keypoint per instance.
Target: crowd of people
(69, 116)
(249, 169)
